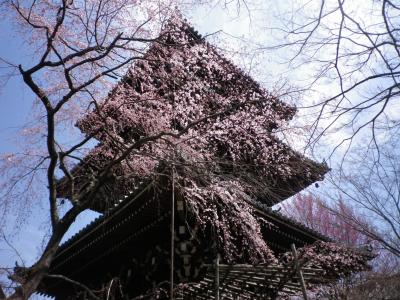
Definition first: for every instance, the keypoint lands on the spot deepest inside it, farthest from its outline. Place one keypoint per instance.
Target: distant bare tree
(354, 46)
(350, 52)
(374, 190)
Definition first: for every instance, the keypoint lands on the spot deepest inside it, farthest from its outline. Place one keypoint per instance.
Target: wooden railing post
(299, 272)
(172, 235)
(217, 278)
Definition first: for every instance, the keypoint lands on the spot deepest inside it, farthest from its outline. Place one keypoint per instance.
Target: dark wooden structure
(131, 241)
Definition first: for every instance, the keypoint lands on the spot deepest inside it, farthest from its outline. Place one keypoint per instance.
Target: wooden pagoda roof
(140, 221)
(277, 190)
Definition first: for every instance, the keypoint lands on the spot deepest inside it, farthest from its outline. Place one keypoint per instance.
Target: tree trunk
(34, 276)
(30, 278)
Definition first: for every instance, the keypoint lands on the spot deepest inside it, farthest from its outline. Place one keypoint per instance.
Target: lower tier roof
(139, 223)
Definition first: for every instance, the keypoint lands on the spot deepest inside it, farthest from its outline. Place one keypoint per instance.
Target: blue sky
(15, 106)
(15, 103)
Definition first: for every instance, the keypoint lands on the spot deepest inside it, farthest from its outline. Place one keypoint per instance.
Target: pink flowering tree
(336, 261)
(77, 50)
(344, 224)
(220, 125)
(220, 146)
(211, 121)
(325, 219)
(180, 112)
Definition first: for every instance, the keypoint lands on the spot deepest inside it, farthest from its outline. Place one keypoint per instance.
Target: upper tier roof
(180, 80)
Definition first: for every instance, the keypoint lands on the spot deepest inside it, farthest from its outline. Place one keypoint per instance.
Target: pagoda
(194, 166)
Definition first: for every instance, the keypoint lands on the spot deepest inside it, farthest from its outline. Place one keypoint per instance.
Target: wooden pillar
(217, 278)
(172, 236)
(299, 272)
